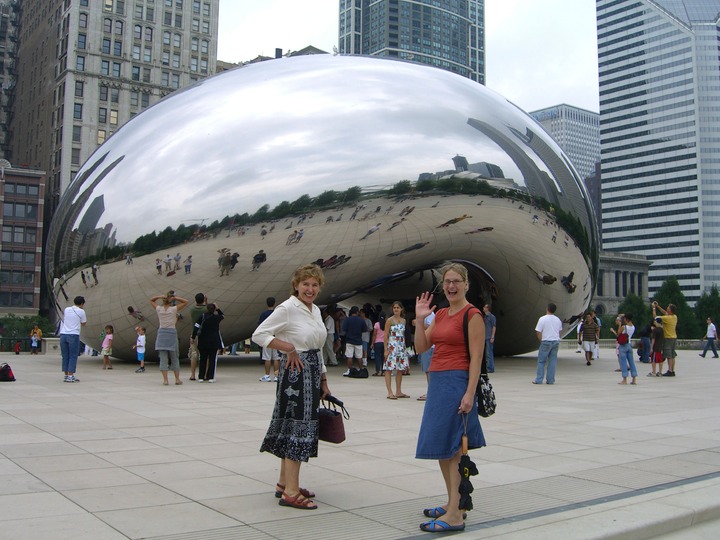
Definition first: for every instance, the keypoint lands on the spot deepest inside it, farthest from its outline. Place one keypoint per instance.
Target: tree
(352, 194)
(641, 312)
(426, 185)
(326, 198)
(302, 203)
(402, 187)
(670, 293)
(708, 305)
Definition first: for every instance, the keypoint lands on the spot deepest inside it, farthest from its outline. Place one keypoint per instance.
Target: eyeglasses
(449, 282)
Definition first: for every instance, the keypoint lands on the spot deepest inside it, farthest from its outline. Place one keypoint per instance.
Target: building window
(148, 33)
(147, 57)
(77, 111)
(108, 5)
(204, 46)
(196, 7)
(105, 67)
(205, 27)
(195, 25)
(118, 28)
(79, 88)
(146, 75)
(139, 11)
(83, 20)
(178, 20)
(114, 95)
(176, 60)
(102, 134)
(113, 117)
(145, 101)
(82, 41)
(150, 14)
(165, 78)
(134, 99)
(203, 66)
(177, 40)
(84, 3)
(168, 18)
(137, 31)
(77, 134)
(106, 46)
(120, 7)
(116, 69)
(166, 58)
(206, 9)
(117, 48)
(75, 156)
(175, 80)
(135, 73)
(107, 25)
(136, 52)
(80, 63)
(193, 63)
(102, 115)
(194, 44)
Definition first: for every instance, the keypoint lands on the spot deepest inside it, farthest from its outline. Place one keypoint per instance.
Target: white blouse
(293, 322)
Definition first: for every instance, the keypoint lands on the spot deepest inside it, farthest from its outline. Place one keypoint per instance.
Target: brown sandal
(298, 501)
(280, 489)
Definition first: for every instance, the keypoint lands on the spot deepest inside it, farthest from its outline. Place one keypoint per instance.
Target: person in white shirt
(296, 329)
(710, 336)
(548, 330)
(74, 318)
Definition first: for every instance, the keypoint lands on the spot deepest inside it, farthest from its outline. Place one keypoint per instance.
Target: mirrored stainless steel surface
(387, 168)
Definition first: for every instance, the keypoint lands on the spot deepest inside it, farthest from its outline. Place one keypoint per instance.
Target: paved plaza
(120, 456)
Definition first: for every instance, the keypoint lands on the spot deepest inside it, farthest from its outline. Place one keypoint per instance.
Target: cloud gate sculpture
(379, 170)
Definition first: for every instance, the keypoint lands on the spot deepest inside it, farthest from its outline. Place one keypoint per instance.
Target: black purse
(484, 393)
(331, 424)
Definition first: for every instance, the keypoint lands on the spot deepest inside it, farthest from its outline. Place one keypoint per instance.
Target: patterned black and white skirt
(293, 431)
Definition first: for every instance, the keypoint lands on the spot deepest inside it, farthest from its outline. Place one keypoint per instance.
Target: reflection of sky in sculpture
(276, 130)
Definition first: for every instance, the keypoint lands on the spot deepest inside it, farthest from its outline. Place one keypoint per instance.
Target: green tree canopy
(708, 305)
(670, 293)
(641, 312)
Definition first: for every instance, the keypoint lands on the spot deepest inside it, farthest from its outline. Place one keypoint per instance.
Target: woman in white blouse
(296, 329)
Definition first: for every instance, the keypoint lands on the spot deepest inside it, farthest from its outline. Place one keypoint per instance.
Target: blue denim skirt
(441, 429)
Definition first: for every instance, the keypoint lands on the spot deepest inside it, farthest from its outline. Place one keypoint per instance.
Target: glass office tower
(449, 34)
(660, 132)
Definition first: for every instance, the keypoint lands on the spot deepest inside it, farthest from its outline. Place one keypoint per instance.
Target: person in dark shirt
(353, 328)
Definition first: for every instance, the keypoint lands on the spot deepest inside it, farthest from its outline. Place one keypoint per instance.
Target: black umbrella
(467, 469)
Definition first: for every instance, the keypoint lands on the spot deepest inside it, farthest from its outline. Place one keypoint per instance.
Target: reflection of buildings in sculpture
(568, 189)
(94, 212)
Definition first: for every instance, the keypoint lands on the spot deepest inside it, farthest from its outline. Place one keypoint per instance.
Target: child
(107, 347)
(17, 347)
(140, 348)
(656, 346)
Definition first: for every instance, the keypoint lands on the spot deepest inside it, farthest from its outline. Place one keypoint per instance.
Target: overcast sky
(539, 53)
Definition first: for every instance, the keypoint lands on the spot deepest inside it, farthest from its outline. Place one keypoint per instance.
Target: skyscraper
(9, 19)
(449, 34)
(87, 67)
(660, 132)
(577, 132)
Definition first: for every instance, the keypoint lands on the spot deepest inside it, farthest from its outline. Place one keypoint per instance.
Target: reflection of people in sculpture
(396, 224)
(135, 313)
(453, 221)
(567, 282)
(546, 278)
(419, 245)
(482, 229)
(259, 258)
(372, 229)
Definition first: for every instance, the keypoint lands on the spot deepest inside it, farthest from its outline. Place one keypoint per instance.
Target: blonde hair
(305, 272)
(455, 267)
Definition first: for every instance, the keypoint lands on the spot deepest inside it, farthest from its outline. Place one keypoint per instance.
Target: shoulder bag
(486, 402)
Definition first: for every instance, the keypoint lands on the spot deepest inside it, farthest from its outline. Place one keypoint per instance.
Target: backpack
(6, 373)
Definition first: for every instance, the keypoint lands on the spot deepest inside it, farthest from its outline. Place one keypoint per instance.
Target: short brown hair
(305, 272)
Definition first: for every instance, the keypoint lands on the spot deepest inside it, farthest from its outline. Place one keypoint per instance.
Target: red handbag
(622, 339)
